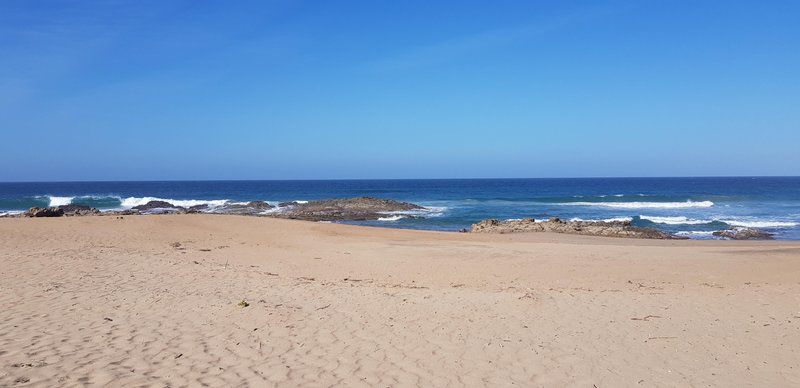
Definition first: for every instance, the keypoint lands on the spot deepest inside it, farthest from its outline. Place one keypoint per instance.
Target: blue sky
(156, 90)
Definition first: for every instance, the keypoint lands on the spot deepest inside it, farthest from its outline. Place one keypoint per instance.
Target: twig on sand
(645, 318)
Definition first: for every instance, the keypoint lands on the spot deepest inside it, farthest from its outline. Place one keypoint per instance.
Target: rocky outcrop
(250, 208)
(744, 234)
(161, 207)
(347, 209)
(153, 205)
(261, 205)
(197, 208)
(555, 225)
(44, 212)
(78, 210)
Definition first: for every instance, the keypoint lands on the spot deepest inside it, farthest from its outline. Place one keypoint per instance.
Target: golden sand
(156, 300)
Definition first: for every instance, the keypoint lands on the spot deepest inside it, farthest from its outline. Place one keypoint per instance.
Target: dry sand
(152, 300)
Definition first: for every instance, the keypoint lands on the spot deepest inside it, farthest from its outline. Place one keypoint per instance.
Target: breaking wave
(748, 223)
(674, 220)
(644, 205)
(130, 202)
(760, 223)
(60, 201)
(614, 219)
(391, 218)
(425, 212)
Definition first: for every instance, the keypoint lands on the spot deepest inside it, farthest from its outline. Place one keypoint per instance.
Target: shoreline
(371, 209)
(122, 213)
(156, 300)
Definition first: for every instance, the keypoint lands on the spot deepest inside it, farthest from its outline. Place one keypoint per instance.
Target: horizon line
(403, 179)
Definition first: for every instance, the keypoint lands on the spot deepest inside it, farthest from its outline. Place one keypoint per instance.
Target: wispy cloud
(459, 47)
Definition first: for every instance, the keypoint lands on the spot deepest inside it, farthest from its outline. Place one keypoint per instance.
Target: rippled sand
(154, 300)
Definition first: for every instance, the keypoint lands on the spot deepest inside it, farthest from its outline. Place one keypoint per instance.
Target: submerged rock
(263, 205)
(44, 212)
(346, 209)
(556, 225)
(744, 234)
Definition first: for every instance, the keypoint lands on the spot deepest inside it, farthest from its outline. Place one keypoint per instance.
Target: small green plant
(243, 303)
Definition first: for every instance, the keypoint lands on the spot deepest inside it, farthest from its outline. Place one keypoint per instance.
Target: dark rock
(155, 205)
(44, 212)
(78, 210)
(744, 234)
(251, 208)
(347, 209)
(556, 225)
(198, 208)
(290, 203)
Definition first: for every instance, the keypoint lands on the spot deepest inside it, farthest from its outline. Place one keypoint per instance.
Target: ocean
(693, 207)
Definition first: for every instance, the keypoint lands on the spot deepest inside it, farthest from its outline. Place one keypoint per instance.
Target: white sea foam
(643, 205)
(674, 220)
(760, 223)
(391, 218)
(10, 212)
(696, 233)
(274, 209)
(614, 219)
(60, 201)
(618, 219)
(435, 211)
(425, 212)
(749, 223)
(130, 202)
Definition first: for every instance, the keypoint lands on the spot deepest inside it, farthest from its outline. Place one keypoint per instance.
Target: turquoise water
(689, 206)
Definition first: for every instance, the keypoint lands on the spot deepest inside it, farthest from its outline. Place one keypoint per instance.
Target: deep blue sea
(689, 206)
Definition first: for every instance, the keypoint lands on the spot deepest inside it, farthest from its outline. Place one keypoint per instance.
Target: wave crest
(644, 205)
(391, 218)
(760, 223)
(680, 220)
(137, 201)
(60, 201)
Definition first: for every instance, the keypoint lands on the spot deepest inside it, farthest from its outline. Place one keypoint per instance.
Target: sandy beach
(156, 300)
